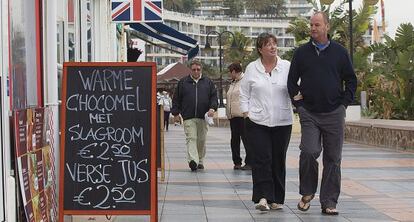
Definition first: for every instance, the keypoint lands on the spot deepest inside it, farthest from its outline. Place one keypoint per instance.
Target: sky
(396, 12)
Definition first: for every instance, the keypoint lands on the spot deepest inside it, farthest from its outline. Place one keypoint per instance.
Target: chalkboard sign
(108, 134)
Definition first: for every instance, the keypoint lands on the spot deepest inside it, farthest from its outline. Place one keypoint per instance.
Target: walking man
(321, 84)
(195, 97)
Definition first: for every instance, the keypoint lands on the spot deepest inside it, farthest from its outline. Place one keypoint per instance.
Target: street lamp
(351, 38)
(208, 47)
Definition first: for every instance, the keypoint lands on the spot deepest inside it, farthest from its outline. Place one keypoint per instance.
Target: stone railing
(396, 134)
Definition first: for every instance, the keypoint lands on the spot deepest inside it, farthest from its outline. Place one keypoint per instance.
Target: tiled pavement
(377, 185)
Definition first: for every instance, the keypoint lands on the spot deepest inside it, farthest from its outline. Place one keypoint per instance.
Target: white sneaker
(276, 206)
(262, 205)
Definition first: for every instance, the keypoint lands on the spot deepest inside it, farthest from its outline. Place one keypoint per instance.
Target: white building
(210, 17)
(198, 27)
(217, 8)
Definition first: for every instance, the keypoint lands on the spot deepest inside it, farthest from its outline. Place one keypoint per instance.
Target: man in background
(194, 98)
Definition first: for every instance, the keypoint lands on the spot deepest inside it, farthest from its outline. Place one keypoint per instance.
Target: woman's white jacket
(265, 97)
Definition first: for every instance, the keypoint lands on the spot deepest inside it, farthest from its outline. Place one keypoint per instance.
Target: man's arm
(213, 96)
(245, 93)
(292, 83)
(350, 81)
(176, 101)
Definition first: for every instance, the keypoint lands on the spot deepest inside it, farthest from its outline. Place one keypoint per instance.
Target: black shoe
(193, 165)
(200, 166)
(237, 167)
(246, 167)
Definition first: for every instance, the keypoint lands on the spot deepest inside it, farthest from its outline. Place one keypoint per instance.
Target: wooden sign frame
(153, 211)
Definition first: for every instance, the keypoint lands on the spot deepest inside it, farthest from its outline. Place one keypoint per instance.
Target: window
(174, 25)
(60, 54)
(88, 22)
(25, 51)
(245, 30)
(60, 43)
(71, 31)
(80, 33)
(289, 42)
(158, 61)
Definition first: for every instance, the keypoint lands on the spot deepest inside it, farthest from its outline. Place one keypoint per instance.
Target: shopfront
(36, 38)
(3, 78)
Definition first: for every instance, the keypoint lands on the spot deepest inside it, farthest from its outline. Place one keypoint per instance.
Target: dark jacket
(193, 99)
(327, 79)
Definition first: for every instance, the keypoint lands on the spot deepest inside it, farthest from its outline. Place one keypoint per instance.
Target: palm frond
(405, 35)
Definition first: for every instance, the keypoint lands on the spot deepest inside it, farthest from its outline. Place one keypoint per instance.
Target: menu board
(108, 150)
(34, 165)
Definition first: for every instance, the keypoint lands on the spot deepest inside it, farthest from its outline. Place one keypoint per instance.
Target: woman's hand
(210, 113)
(177, 119)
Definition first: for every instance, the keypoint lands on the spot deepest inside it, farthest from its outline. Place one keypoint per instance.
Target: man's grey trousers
(321, 130)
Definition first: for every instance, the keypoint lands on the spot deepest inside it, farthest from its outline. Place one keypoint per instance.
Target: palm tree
(278, 8)
(241, 53)
(361, 21)
(184, 6)
(394, 68)
(300, 29)
(271, 8)
(210, 71)
(256, 5)
(189, 6)
(173, 5)
(234, 8)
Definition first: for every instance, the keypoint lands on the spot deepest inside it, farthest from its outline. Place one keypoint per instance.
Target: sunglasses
(196, 69)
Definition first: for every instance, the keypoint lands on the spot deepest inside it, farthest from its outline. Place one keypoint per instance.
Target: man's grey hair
(324, 16)
(196, 62)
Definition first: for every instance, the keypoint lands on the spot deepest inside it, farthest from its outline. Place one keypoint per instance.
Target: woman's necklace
(269, 66)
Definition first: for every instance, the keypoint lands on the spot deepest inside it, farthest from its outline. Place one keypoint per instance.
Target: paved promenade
(377, 185)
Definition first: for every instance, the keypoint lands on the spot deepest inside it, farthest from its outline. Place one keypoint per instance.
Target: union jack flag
(136, 11)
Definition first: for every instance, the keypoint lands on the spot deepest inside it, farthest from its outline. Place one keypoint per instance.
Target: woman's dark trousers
(269, 146)
(166, 119)
(238, 129)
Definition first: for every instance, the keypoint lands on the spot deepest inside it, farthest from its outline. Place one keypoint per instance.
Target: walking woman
(235, 116)
(266, 105)
(166, 101)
